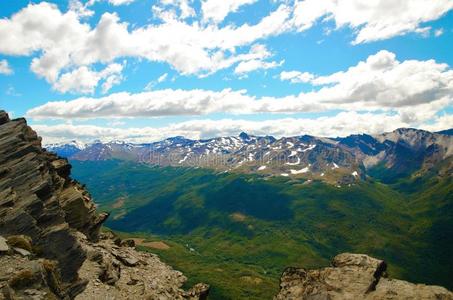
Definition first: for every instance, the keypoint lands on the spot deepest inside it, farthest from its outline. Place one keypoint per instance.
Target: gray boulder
(353, 276)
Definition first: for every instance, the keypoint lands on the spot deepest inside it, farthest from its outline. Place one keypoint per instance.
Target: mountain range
(334, 160)
(235, 229)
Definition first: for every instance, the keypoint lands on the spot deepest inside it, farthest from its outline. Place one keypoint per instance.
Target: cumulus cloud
(62, 40)
(342, 124)
(82, 10)
(65, 44)
(296, 76)
(168, 10)
(5, 68)
(383, 81)
(371, 20)
(258, 53)
(217, 10)
(416, 88)
(85, 80)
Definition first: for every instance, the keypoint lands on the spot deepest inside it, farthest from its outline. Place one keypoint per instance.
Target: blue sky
(146, 70)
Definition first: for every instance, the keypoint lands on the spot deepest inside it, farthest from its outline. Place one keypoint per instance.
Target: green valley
(238, 232)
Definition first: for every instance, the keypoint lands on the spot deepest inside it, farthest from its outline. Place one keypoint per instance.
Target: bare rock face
(121, 272)
(353, 276)
(39, 200)
(48, 224)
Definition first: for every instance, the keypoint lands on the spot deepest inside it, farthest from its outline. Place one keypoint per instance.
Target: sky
(142, 71)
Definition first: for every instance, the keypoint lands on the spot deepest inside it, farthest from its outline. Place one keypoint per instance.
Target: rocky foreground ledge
(50, 245)
(353, 276)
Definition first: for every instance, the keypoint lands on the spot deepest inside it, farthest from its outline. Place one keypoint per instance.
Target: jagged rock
(110, 271)
(126, 258)
(117, 240)
(51, 221)
(107, 235)
(21, 251)
(127, 243)
(133, 281)
(198, 291)
(352, 276)
(149, 279)
(41, 201)
(3, 245)
(20, 241)
(21, 278)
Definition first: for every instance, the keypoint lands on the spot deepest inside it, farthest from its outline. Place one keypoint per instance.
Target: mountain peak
(244, 136)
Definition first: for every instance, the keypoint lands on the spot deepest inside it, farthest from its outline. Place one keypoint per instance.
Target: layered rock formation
(48, 224)
(353, 276)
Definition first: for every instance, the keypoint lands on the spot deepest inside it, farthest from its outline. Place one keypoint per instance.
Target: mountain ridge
(335, 160)
(243, 133)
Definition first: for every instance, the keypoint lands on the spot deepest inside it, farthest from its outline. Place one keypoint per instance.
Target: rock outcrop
(48, 224)
(120, 272)
(353, 276)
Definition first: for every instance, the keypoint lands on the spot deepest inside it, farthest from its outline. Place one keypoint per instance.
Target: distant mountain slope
(446, 132)
(66, 149)
(335, 160)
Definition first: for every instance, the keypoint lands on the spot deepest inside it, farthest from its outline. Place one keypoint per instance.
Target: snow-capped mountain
(342, 160)
(66, 149)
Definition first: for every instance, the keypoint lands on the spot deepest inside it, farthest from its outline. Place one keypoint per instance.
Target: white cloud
(120, 2)
(258, 53)
(256, 64)
(382, 82)
(423, 31)
(162, 78)
(416, 89)
(62, 40)
(85, 80)
(296, 76)
(440, 123)
(438, 32)
(82, 10)
(168, 10)
(5, 68)
(147, 104)
(371, 20)
(217, 10)
(150, 85)
(342, 124)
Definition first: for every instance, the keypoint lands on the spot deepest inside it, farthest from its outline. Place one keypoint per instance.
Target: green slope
(245, 229)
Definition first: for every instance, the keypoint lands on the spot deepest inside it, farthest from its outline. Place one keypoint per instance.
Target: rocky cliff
(50, 246)
(353, 276)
